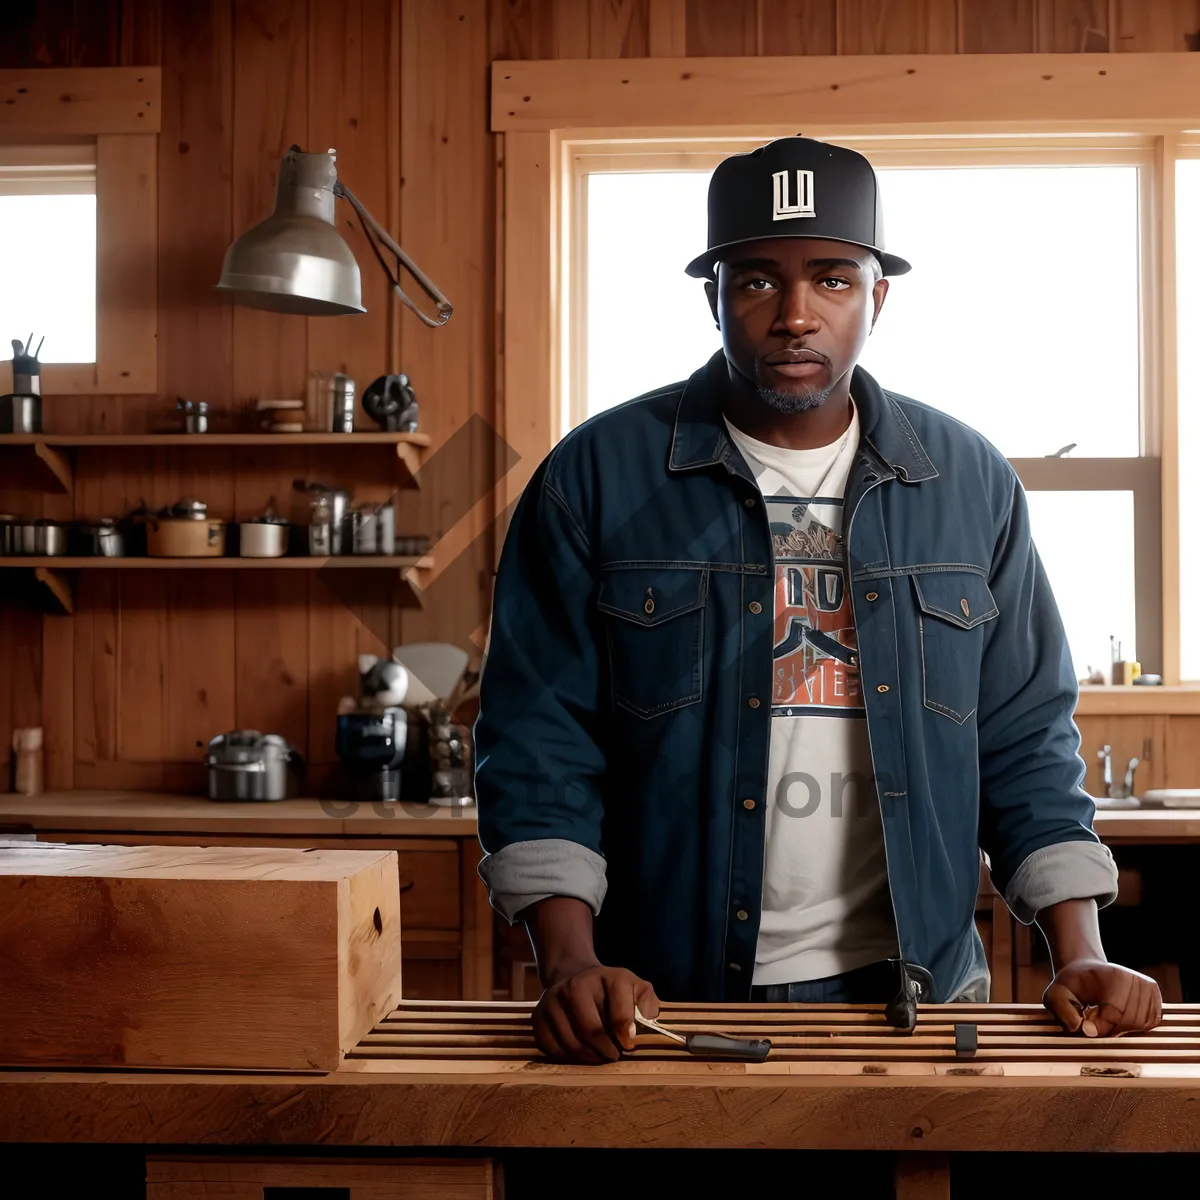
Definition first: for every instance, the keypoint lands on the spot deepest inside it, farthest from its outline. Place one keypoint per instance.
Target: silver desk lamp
(295, 261)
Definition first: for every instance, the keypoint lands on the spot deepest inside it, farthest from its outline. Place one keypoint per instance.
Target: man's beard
(804, 400)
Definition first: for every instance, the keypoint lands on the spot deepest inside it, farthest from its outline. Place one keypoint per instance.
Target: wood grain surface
(194, 957)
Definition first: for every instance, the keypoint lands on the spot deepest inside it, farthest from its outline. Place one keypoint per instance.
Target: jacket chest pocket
(655, 635)
(954, 608)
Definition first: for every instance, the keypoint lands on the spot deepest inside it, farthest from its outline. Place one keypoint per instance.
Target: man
(772, 658)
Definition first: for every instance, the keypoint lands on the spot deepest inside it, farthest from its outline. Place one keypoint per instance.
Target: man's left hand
(1123, 1001)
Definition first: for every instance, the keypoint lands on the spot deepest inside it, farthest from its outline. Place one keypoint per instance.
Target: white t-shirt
(826, 907)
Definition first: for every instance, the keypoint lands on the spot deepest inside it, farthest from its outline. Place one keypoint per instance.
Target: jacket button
(743, 915)
(749, 502)
(755, 607)
(872, 595)
(748, 804)
(753, 702)
(883, 687)
(734, 966)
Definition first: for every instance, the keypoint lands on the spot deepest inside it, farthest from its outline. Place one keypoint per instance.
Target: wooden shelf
(51, 571)
(1097, 701)
(96, 562)
(52, 468)
(193, 440)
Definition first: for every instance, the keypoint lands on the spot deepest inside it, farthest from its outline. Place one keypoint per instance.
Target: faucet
(1119, 792)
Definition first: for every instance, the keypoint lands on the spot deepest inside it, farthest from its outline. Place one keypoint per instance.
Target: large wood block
(185, 956)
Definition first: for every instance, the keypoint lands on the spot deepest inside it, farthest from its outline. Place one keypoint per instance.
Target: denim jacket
(618, 741)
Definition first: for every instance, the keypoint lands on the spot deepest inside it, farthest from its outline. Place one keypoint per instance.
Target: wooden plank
(270, 54)
(42, 102)
(1144, 25)
(1181, 752)
(114, 812)
(126, 267)
(618, 28)
(271, 667)
(194, 216)
(525, 28)
(94, 671)
(797, 27)
(141, 32)
(183, 441)
(1073, 26)
(1168, 415)
(897, 27)
(58, 700)
(443, 138)
(667, 28)
(571, 33)
(144, 651)
(1142, 701)
(1036, 90)
(189, 949)
(349, 51)
(1147, 825)
(477, 926)
(361, 562)
(997, 26)
(720, 29)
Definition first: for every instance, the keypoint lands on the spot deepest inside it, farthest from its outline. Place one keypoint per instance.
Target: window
(48, 248)
(1030, 263)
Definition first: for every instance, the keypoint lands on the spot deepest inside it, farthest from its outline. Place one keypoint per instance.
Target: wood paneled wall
(156, 663)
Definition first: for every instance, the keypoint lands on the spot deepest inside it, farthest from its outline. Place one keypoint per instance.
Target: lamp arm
(444, 307)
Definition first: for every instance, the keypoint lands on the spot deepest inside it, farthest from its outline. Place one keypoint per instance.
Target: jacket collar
(700, 438)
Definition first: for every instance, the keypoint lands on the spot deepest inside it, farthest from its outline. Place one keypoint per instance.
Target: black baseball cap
(794, 187)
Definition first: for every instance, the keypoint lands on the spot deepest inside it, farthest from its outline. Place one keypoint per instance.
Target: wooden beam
(126, 264)
(927, 91)
(80, 100)
(57, 465)
(1168, 413)
(60, 590)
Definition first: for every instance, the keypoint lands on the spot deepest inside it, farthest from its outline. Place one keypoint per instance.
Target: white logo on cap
(803, 207)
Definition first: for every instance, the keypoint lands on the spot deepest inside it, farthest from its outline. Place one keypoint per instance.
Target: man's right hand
(587, 1017)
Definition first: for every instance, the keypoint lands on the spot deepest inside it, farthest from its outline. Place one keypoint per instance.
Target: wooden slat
(1032, 89)
(363, 562)
(1156, 25)
(797, 27)
(42, 101)
(618, 28)
(525, 28)
(720, 29)
(97, 626)
(997, 26)
(1073, 26)
(181, 441)
(895, 27)
(126, 263)
(667, 28)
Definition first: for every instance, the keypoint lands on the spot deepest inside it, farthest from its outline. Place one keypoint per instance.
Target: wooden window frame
(544, 108)
(118, 110)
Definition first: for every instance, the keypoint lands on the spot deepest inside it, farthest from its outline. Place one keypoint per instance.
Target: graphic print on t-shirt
(816, 650)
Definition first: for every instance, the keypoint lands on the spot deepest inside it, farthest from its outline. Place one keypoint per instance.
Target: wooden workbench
(448, 924)
(444, 1076)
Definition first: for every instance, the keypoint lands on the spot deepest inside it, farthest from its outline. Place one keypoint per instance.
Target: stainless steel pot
(51, 537)
(10, 527)
(263, 539)
(248, 765)
(104, 538)
(20, 414)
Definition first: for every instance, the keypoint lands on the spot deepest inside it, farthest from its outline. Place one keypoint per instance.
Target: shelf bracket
(410, 464)
(57, 465)
(59, 587)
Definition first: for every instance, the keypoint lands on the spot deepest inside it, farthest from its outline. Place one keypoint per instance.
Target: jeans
(875, 983)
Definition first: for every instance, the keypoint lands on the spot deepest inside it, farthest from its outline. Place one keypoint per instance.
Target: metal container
(248, 765)
(25, 538)
(263, 539)
(10, 527)
(329, 509)
(341, 404)
(103, 539)
(364, 531)
(385, 523)
(195, 415)
(185, 537)
(50, 537)
(20, 413)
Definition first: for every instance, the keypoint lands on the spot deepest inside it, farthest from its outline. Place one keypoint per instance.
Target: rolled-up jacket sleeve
(538, 760)
(1035, 817)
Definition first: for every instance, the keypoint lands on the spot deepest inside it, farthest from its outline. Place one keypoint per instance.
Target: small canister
(342, 404)
(10, 527)
(364, 530)
(385, 524)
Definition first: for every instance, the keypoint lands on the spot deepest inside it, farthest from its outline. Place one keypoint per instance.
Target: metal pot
(184, 537)
(263, 539)
(327, 534)
(20, 414)
(50, 537)
(103, 538)
(10, 534)
(248, 765)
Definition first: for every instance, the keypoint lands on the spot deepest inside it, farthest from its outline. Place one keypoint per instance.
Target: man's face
(794, 315)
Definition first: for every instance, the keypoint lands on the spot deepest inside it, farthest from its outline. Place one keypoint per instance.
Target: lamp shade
(295, 261)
